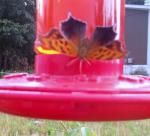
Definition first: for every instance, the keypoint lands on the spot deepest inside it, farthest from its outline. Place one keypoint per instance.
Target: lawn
(16, 126)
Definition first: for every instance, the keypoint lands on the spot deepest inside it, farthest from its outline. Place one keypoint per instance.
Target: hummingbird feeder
(78, 75)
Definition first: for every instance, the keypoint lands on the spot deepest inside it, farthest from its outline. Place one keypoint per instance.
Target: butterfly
(71, 40)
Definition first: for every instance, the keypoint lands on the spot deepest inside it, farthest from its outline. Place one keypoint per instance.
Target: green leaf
(72, 132)
(87, 132)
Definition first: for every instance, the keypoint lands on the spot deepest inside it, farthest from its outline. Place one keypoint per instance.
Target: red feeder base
(77, 98)
(68, 66)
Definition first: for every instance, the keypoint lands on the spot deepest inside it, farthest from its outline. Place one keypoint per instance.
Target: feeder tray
(86, 97)
(58, 91)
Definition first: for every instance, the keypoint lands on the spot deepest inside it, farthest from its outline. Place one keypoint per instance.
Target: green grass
(16, 126)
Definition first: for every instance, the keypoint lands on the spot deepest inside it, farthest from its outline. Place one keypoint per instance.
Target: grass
(16, 126)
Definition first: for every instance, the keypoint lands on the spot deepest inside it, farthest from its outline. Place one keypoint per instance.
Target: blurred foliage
(17, 34)
(139, 2)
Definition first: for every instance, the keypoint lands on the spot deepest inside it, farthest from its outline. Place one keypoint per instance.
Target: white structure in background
(147, 2)
(147, 9)
(128, 69)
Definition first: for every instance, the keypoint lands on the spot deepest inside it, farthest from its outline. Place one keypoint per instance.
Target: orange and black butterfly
(71, 40)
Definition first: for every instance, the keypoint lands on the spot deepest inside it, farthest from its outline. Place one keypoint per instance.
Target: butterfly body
(83, 48)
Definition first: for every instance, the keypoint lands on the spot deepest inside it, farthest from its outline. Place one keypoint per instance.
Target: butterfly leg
(81, 66)
(81, 61)
(72, 61)
(87, 61)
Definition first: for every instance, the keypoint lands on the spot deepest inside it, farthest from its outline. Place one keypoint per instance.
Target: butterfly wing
(109, 52)
(74, 29)
(103, 35)
(55, 41)
(103, 46)
(116, 47)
